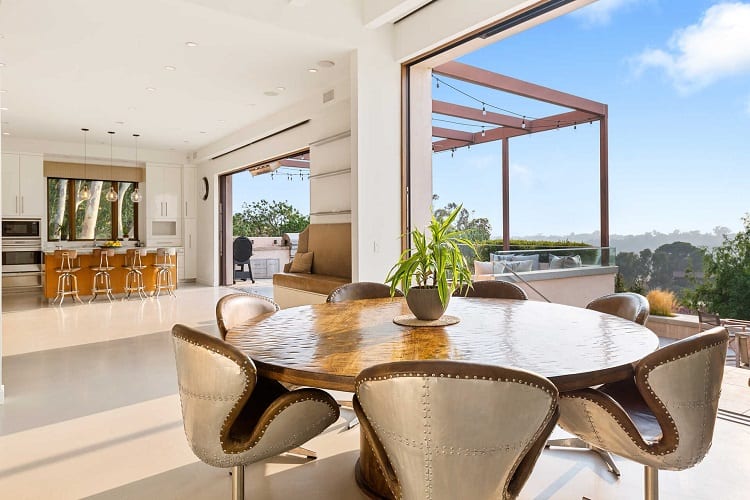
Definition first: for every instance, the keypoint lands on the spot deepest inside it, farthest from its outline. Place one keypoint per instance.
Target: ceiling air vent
(328, 96)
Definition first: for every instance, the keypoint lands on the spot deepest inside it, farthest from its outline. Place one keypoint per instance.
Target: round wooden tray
(411, 320)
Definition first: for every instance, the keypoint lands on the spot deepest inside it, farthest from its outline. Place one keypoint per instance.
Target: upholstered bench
(331, 266)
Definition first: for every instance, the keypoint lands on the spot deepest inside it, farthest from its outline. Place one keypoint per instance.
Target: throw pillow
(501, 256)
(501, 266)
(555, 262)
(302, 262)
(572, 261)
(522, 266)
(534, 258)
(482, 267)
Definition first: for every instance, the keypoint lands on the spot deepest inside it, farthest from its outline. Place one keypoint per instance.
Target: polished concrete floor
(92, 410)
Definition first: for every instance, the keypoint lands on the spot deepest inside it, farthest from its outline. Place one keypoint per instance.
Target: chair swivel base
(102, 285)
(67, 284)
(579, 444)
(134, 283)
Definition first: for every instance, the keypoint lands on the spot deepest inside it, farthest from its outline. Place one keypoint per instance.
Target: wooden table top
(327, 345)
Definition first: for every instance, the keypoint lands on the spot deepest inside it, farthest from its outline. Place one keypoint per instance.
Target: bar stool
(102, 282)
(164, 265)
(67, 281)
(135, 267)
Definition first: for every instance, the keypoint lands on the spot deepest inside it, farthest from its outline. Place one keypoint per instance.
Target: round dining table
(327, 345)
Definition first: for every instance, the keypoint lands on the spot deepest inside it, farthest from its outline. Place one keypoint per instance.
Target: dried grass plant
(662, 302)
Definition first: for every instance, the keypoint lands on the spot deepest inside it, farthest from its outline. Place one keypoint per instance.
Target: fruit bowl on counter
(111, 244)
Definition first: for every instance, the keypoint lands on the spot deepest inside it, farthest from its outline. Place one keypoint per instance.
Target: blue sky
(676, 79)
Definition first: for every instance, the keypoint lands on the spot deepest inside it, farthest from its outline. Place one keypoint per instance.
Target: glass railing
(492, 257)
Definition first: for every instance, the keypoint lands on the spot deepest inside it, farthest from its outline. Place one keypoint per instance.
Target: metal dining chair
(233, 418)
(664, 416)
(419, 418)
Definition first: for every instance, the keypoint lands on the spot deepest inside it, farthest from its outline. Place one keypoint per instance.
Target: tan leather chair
(492, 289)
(664, 417)
(231, 417)
(420, 419)
(362, 290)
(626, 305)
(235, 309)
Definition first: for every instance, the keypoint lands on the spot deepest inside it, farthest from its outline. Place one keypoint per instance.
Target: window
(95, 218)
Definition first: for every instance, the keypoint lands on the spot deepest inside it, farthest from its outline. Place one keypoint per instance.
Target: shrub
(661, 302)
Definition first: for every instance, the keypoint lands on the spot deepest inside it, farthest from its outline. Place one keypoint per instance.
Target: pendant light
(136, 195)
(111, 194)
(84, 194)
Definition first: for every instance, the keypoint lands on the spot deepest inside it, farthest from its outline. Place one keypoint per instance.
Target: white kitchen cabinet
(164, 191)
(23, 185)
(191, 249)
(189, 193)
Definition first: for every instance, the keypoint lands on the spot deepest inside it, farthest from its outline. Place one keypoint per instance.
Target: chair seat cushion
(627, 395)
(315, 283)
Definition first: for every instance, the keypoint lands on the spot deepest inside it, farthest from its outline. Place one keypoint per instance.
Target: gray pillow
(501, 256)
(555, 262)
(534, 258)
(565, 262)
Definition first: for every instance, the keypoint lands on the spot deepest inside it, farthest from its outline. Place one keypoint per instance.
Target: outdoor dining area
(461, 406)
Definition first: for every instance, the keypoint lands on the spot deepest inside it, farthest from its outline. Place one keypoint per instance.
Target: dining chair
(236, 308)
(233, 418)
(362, 290)
(662, 418)
(626, 305)
(492, 289)
(420, 420)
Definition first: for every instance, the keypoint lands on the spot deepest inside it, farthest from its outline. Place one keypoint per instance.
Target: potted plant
(430, 272)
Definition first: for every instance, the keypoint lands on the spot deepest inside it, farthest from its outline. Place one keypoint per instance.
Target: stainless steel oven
(22, 258)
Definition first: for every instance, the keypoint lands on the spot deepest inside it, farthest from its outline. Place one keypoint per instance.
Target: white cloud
(521, 174)
(701, 54)
(600, 13)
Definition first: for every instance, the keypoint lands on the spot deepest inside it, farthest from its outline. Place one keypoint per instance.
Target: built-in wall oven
(22, 259)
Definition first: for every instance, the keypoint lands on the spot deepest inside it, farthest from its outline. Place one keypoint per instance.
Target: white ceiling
(87, 63)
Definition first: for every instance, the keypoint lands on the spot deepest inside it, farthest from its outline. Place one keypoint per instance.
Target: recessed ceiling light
(270, 93)
(2, 65)
(191, 44)
(2, 91)
(6, 133)
(312, 70)
(325, 63)
(221, 121)
(151, 89)
(169, 68)
(3, 109)
(185, 140)
(281, 89)
(120, 123)
(202, 131)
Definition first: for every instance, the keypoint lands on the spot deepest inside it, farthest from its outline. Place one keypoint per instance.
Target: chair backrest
(215, 380)
(133, 257)
(361, 290)
(492, 289)
(706, 321)
(66, 258)
(234, 309)
(102, 255)
(242, 249)
(447, 430)
(627, 305)
(681, 384)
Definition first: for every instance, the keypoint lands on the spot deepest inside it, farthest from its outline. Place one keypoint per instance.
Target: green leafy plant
(434, 261)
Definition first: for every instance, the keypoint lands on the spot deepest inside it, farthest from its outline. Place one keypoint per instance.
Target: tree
(474, 229)
(726, 286)
(263, 218)
(672, 263)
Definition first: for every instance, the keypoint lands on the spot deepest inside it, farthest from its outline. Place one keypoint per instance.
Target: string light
(437, 83)
(484, 110)
(453, 151)
(523, 122)
(483, 134)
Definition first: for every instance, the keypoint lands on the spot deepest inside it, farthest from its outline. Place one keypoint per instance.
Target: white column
(376, 157)
(420, 146)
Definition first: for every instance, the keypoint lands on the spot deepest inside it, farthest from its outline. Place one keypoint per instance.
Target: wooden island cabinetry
(85, 276)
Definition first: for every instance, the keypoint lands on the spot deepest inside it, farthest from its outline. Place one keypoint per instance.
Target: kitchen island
(86, 276)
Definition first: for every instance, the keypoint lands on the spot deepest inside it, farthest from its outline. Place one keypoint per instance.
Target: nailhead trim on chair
(428, 464)
(226, 422)
(638, 440)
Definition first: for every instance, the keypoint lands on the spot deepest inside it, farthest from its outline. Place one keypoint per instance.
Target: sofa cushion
(534, 258)
(302, 263)
(565, 262)
(332, 244)
(315, 283)
(482, 267)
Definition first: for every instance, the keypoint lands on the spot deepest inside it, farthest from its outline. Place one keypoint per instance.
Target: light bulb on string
(272, 176)
(523, 122)
(84, 194)
(453, 151)
(483, 134)
(558, 124)
(437, 83)
(575, 125)
(484, 110)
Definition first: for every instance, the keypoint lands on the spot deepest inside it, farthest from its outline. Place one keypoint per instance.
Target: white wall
(326, 120)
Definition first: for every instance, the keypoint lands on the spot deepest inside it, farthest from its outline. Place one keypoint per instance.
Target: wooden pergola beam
(447, 133)
(459, 111)
(567, 119)
(447, 144)
(479, 76)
